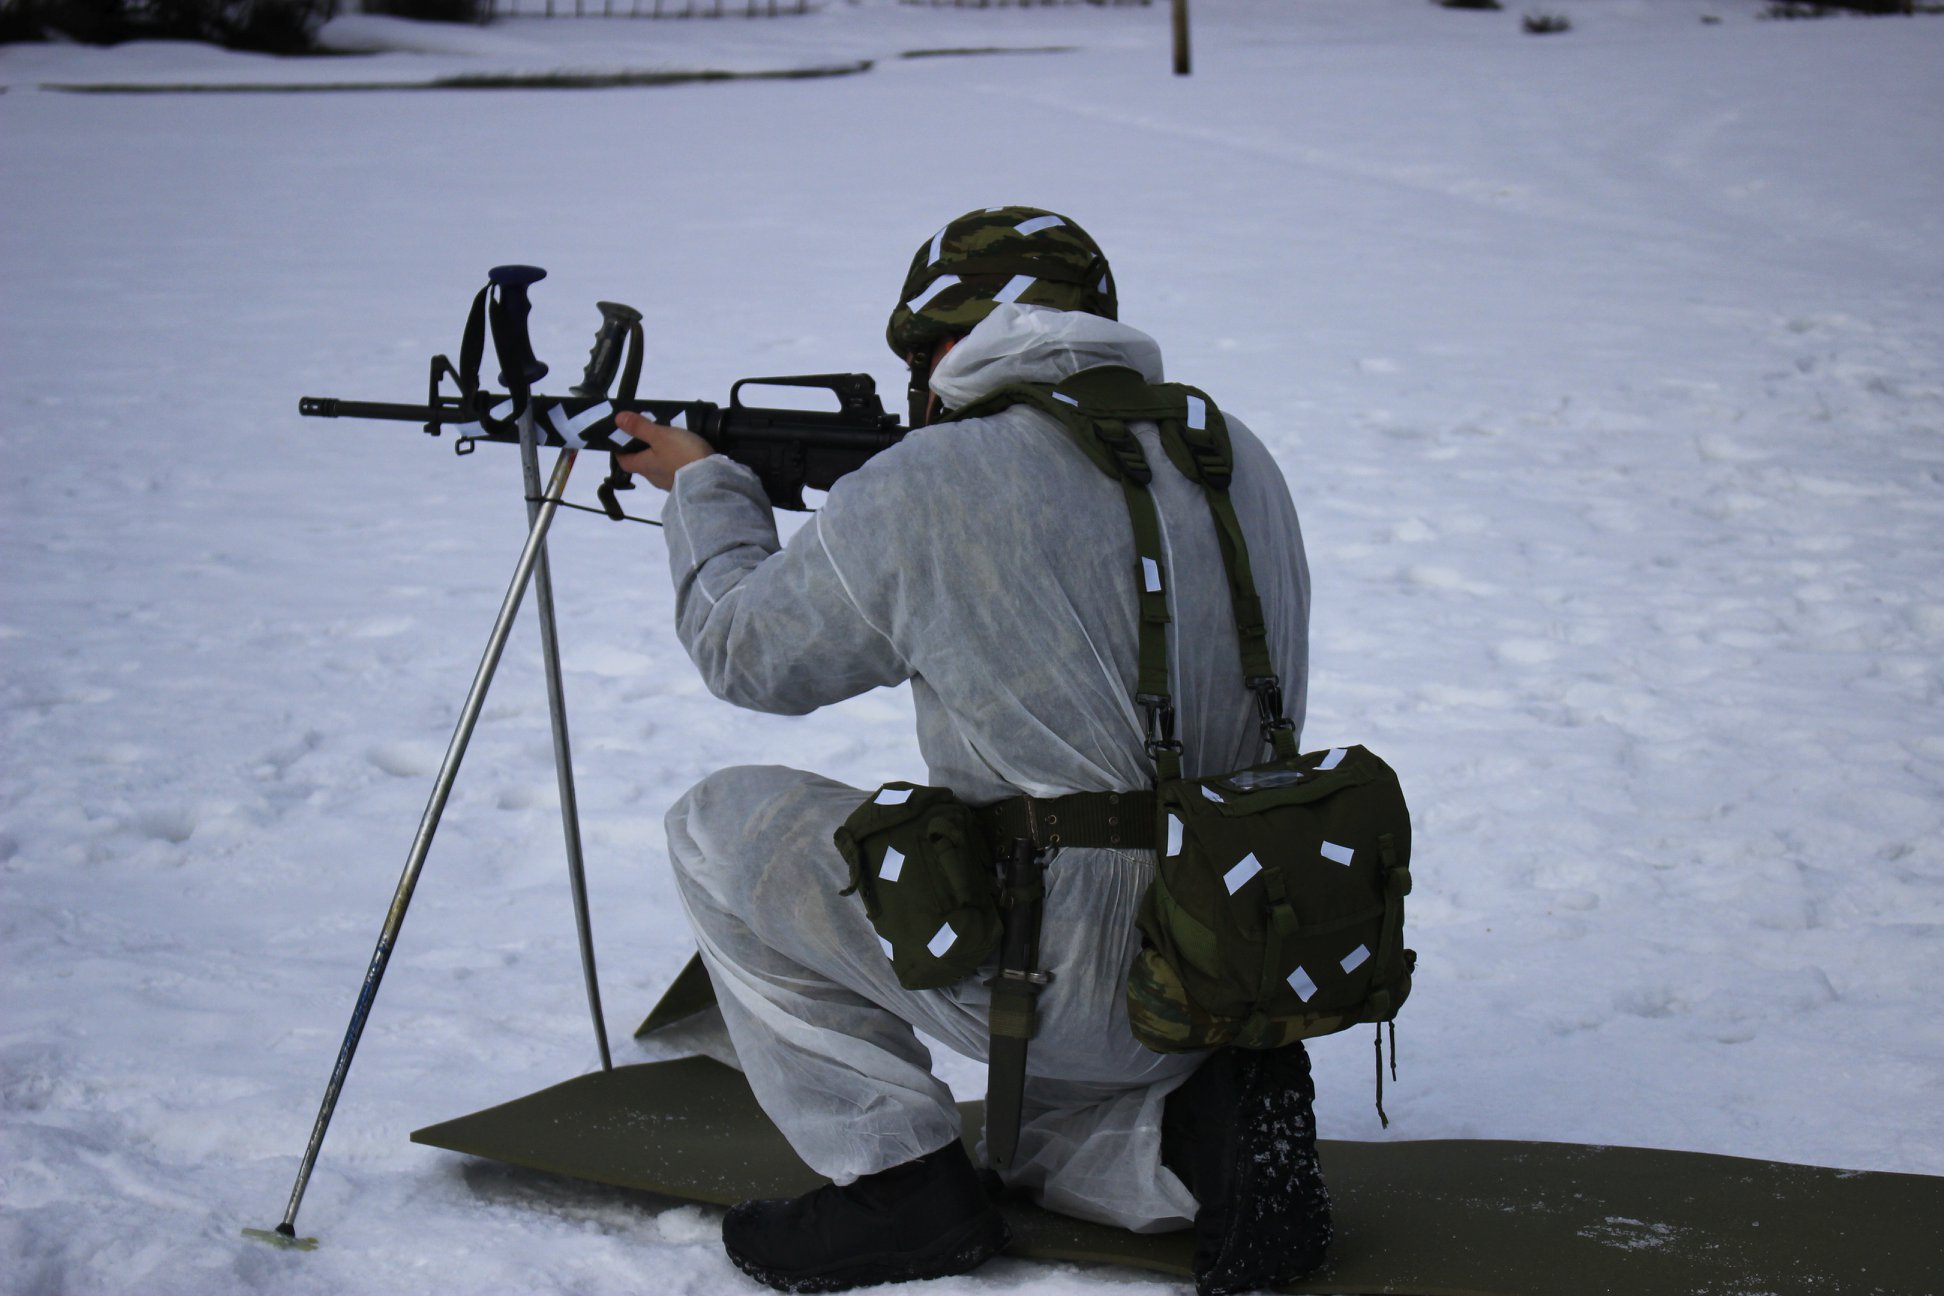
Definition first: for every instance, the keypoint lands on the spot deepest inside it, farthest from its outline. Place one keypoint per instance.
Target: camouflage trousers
(827, 1036)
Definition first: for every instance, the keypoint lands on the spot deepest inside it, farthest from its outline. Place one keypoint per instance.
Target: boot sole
(957, 1253)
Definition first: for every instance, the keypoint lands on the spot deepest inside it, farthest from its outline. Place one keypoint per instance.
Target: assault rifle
(789, 449)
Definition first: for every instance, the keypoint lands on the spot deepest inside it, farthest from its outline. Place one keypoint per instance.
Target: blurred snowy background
(1607, 368)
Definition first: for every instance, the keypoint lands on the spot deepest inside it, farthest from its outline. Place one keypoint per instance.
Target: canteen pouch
(1277, 909)
(920, 862)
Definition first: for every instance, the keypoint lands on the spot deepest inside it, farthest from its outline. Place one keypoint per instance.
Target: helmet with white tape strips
(991, 256)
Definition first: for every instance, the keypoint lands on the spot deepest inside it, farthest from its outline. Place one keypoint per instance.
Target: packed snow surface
(1607, 369)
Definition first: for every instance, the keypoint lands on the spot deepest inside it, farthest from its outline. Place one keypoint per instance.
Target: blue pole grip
(519, 368)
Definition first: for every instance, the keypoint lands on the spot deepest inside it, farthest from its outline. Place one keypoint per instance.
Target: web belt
(1112, 819)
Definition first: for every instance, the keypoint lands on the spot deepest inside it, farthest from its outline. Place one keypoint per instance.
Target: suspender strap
(1122, 819)
(1199, 446)
(1095, 406)
(1151, 683)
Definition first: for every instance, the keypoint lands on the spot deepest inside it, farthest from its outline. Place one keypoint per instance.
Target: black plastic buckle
(1120, 439)
(1269, 705)
(1160, 723)
(1208, 463)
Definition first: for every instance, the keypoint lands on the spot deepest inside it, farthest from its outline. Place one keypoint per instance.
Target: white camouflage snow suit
(991, 564)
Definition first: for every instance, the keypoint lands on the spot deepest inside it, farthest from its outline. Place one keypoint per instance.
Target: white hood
(1038, 344)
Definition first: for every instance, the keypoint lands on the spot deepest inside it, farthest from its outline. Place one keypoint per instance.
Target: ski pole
(422, 842)
(509, 317)
(594, 383)
(519, 370)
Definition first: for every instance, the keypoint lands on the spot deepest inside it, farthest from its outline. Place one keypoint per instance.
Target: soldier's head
(982, 260)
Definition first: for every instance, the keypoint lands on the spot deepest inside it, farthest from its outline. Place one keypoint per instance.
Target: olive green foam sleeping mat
(1443, 1217)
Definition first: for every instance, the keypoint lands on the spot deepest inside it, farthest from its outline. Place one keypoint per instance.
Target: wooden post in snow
(1181, 37)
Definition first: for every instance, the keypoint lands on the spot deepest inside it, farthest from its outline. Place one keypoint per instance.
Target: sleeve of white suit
(770, 627)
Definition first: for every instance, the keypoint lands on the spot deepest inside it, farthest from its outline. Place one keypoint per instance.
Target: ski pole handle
(604, 361)
(519, 369)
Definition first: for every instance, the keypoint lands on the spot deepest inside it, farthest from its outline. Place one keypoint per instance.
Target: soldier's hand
(666, 449)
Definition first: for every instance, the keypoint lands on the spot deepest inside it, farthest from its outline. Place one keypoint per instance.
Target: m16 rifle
(789, 449)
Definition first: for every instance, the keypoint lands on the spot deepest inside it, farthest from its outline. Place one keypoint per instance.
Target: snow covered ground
(1607, 369)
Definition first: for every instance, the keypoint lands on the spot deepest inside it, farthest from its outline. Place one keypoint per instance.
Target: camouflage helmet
(995, 255)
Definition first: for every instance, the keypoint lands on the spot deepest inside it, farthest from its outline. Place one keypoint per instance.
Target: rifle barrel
(332, 407)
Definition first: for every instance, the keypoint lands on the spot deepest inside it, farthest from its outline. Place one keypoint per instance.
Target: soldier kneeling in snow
(986, 560)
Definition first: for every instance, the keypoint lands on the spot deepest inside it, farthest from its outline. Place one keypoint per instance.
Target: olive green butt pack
(1277, 911)
(920, 861)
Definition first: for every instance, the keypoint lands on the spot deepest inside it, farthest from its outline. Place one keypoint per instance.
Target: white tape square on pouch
(1213, 795)
(892, 796)
(1334, 759)
(893, 864)
(1356, 958)
(941, 941)
(885, 945)
(1174, 835)
(1238, 877)
(1300, 982)
(1197, 413)
(1338, 854)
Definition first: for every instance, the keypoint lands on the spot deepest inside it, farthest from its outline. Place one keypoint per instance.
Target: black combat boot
(923, 1219)
(1241, 1134)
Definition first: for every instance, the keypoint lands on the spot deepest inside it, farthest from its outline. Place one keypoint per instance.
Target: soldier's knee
(709, 825)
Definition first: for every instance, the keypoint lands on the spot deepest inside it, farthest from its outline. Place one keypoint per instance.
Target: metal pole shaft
(563, 754)
(422, 844)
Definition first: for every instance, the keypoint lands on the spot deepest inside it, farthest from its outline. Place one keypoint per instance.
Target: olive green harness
(1096, 406)
(1277, 908)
